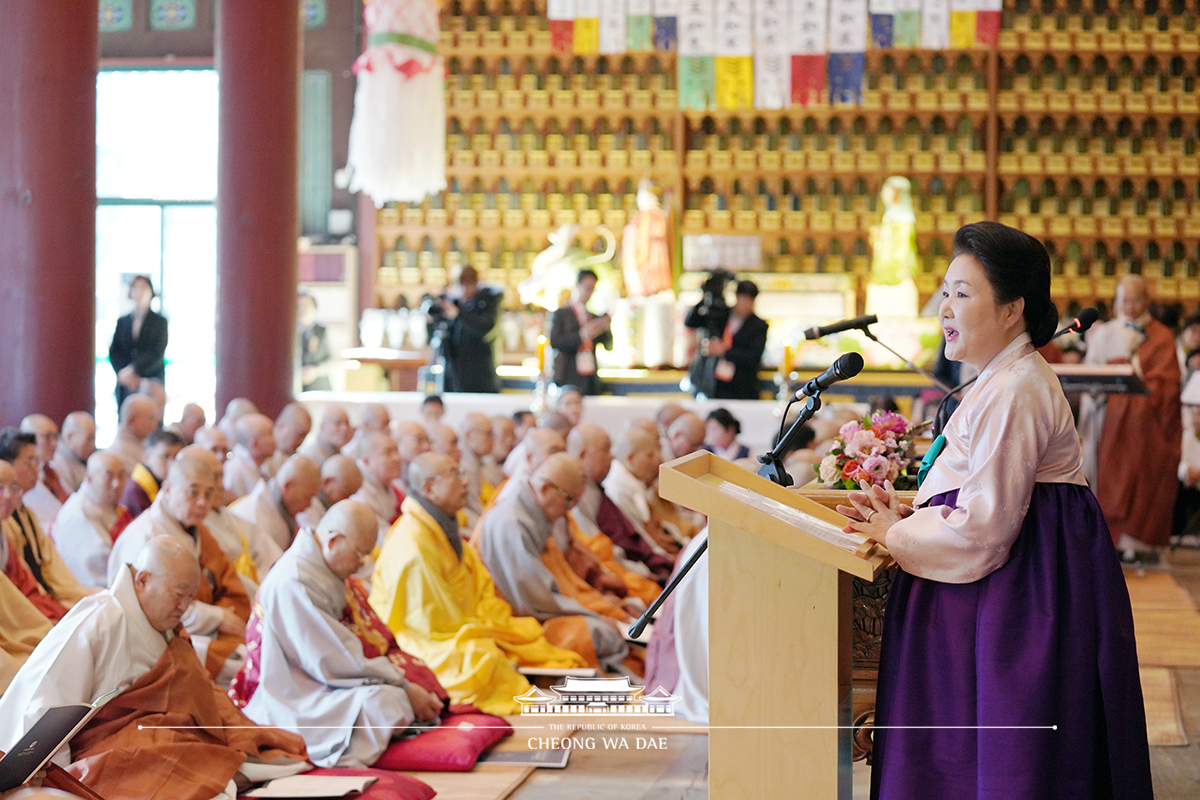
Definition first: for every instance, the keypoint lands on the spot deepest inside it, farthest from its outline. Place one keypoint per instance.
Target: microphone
(847, 366)
(838, 327)
(1081, 323)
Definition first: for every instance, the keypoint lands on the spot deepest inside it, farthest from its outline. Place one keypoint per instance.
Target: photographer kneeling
(731, 341)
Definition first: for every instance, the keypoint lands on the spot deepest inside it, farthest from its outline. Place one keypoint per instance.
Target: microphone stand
(925, 373)
(773, 470)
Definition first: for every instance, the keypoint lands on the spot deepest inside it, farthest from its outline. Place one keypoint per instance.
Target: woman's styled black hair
(726, 420)
(1017, 266)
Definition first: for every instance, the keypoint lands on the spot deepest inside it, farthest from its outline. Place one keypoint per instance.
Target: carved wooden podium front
(779, 634)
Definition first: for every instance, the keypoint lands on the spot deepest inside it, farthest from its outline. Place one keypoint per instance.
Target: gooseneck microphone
(847, 366)
(1086, 319)
(858, 323)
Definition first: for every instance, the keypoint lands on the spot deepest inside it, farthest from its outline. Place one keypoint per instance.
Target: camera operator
(732, 341)
(461, 324)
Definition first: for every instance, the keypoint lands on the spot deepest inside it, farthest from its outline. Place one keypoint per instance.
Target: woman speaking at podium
(1008, 669)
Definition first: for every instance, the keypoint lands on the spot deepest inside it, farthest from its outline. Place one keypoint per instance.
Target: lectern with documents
(779, 631)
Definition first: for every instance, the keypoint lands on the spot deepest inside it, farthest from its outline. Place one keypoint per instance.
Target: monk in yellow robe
(439, 600)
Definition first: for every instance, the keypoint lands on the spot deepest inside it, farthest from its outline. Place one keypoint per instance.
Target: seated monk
(592, 445)
(26, 611)
(511, 540)
(439, 600)
(379, 462)
(272, 507)
(540, 444)
(216, 617)
(171, 733)
(340, 479)
(624, 511)
(142, 487)
(25, 536)
(504, 439)
(476, 447)
(254, 444)
(333, 434)
(292, 427)
(309, 670)
(75, 445)
(246, 546)
(91, 520)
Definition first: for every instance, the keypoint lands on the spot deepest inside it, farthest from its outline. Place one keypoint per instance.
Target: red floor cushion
(387, 785)
(453, 746)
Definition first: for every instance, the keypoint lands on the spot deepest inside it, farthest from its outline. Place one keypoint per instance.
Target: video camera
(714, 288)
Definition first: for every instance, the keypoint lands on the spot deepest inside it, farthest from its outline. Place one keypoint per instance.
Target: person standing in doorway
(139, 344)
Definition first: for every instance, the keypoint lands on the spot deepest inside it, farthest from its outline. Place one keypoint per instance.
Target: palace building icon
(596, 696)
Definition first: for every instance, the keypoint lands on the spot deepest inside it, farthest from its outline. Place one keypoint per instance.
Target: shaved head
(638, 451)
(340, 478)
(1133, 297)
(379, 458)
(412, 439)
(299, 480)
(214, 441)
(46, 433)
(79, 434)
(335, 429)
(540, 444)
(256, 434)
(592, 445)
(139, 416)
(556, 421)
(666, 414)
(375, 417)
(686, 434)
(191, 420)
(353, 522)
(477, 433)
(291, 428)
(445, 440)
(557, 484)
(166, 577)
(187, 493)
(504, 437)
(105, 479)
(435, 477)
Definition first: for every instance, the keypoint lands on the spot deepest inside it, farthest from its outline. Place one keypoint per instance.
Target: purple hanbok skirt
(1046, 640)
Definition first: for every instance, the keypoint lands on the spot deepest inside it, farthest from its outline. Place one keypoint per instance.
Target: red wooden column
(49, 50)
(258, 60)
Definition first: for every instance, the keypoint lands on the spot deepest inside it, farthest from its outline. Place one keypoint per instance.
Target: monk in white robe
(76, 444)
(628, 486)
(379, 462)
(46, 498)
(677, 657)
(512, 537)
(130, 637)
(340, 479)
(333, 434)
(138, 419)
(272, 507)
(255, 444)
(216, 618)
(438, 599)
(91, 519)
(314, 675)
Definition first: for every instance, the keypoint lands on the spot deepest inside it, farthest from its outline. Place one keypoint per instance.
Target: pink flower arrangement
(868, 452)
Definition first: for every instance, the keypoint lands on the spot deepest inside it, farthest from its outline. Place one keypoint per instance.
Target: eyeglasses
(454, 474)
(569, 499)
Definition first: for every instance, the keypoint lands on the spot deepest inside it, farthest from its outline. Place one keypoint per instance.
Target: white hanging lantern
(398, 134)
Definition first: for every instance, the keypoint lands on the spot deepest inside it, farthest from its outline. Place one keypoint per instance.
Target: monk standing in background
(1131, 444)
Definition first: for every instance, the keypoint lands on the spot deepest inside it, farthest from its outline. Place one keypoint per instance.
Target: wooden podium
(779, 637)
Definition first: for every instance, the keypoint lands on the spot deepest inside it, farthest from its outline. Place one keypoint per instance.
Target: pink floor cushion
(454, 746)
(387, 785)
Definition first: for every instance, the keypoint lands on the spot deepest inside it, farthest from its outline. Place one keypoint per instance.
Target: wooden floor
(680, 771)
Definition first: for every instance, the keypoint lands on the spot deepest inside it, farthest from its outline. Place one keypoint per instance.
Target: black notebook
(52, 731)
